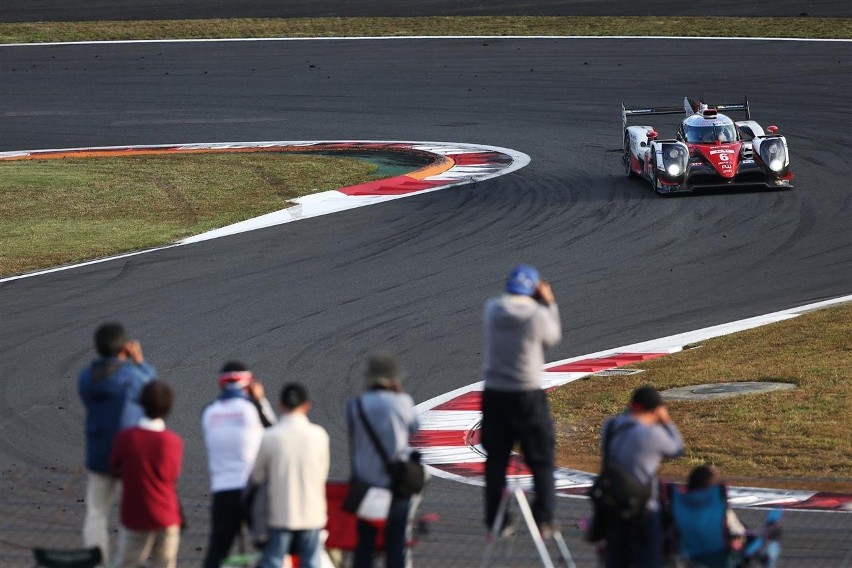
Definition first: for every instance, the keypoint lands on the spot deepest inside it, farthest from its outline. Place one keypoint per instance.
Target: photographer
(637, 441)
(233, 427)
(109, 389)
(518, 326)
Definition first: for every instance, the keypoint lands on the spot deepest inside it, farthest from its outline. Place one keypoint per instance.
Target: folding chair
(699, 518)
(73, 558)
(342, 526)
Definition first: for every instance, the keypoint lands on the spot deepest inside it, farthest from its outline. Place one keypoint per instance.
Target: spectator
(705, 477)
(391, 415)
(233, 426)
(147, 458)
(637, 442)
(109, 388)
(293, 461)
(518, 326)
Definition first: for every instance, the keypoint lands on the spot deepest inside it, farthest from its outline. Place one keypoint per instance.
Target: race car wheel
(625, 158)
(654, 183)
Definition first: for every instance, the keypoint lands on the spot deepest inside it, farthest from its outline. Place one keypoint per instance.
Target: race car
(710, 150)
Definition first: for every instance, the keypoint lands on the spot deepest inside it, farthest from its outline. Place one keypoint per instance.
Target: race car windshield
(710, 134)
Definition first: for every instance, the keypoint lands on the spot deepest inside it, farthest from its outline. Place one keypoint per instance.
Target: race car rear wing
(690, 107)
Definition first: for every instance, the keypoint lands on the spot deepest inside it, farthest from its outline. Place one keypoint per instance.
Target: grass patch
(838, 28)
(792, 438)
(54, 212)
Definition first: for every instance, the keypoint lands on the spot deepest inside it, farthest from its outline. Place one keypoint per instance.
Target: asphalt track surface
(63, 10)
(307, 301)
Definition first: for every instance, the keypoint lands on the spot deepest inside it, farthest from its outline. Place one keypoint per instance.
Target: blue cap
(522, 280)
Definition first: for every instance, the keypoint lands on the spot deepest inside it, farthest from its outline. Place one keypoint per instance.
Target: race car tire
(625, 159)
(653, 179)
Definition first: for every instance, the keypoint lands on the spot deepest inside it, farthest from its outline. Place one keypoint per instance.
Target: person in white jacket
(233, 426)
(293, 462)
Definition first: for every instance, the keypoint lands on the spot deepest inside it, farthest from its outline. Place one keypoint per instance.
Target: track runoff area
(449, 436)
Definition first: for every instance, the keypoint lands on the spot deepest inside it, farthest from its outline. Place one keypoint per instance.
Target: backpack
(617, 496)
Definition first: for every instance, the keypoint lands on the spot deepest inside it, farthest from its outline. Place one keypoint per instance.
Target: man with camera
(518, 326)
(637, 441)
(233, 428)
(109, 389)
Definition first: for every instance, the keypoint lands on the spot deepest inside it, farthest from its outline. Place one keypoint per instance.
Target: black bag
(617, 496)
(407, 477)
(356, 493)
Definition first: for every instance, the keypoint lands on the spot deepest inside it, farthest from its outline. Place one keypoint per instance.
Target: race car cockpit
(700, 129)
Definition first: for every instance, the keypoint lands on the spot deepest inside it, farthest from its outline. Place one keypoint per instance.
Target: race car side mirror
(772, 129)
(652, 134)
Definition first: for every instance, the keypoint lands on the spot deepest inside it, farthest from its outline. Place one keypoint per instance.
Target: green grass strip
(54, 212)
(801, 27)
(765, 439)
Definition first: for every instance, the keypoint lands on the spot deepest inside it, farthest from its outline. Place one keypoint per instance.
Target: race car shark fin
(691, 106)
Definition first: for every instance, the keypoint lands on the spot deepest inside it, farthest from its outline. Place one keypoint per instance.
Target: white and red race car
(710, 150)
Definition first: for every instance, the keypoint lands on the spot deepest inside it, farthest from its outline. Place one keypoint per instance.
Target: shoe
(509, 529)
(546, 530)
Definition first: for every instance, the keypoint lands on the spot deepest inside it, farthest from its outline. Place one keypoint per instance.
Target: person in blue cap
(518, 326)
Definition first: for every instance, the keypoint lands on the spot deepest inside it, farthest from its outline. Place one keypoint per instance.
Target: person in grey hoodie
(518, 326)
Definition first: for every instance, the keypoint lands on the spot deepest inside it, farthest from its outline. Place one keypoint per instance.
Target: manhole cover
(723, 390)
(617, 372)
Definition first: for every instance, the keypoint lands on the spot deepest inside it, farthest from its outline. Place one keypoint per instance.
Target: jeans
(226, 520)
(396, 533)
(524, 417)
(101, 490)
(305, 544)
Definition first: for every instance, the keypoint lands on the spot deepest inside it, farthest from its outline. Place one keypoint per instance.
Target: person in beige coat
(293, 461)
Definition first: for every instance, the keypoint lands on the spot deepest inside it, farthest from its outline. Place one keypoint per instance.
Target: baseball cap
(522, 280)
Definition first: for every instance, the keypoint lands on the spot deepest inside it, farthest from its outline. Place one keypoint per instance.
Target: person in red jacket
(147, 457)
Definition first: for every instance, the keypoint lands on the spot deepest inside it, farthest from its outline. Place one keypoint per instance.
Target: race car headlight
(675, 158)
(773, 154)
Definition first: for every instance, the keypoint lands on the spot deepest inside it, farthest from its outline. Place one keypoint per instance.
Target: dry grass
(54, 212)
(792, 438)
(427, 26)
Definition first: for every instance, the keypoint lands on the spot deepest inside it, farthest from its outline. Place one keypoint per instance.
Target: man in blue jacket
(109, 389)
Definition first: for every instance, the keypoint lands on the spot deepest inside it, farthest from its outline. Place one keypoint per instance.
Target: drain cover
(723, 390)
(617, 372)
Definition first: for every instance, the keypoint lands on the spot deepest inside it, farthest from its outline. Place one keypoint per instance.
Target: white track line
(430, 37)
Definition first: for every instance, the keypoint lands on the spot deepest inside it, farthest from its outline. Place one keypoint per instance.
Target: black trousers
(518, 417)
(226, 520)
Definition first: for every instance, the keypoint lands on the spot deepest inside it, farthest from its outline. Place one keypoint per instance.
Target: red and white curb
(452, 164)
(449, 436)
